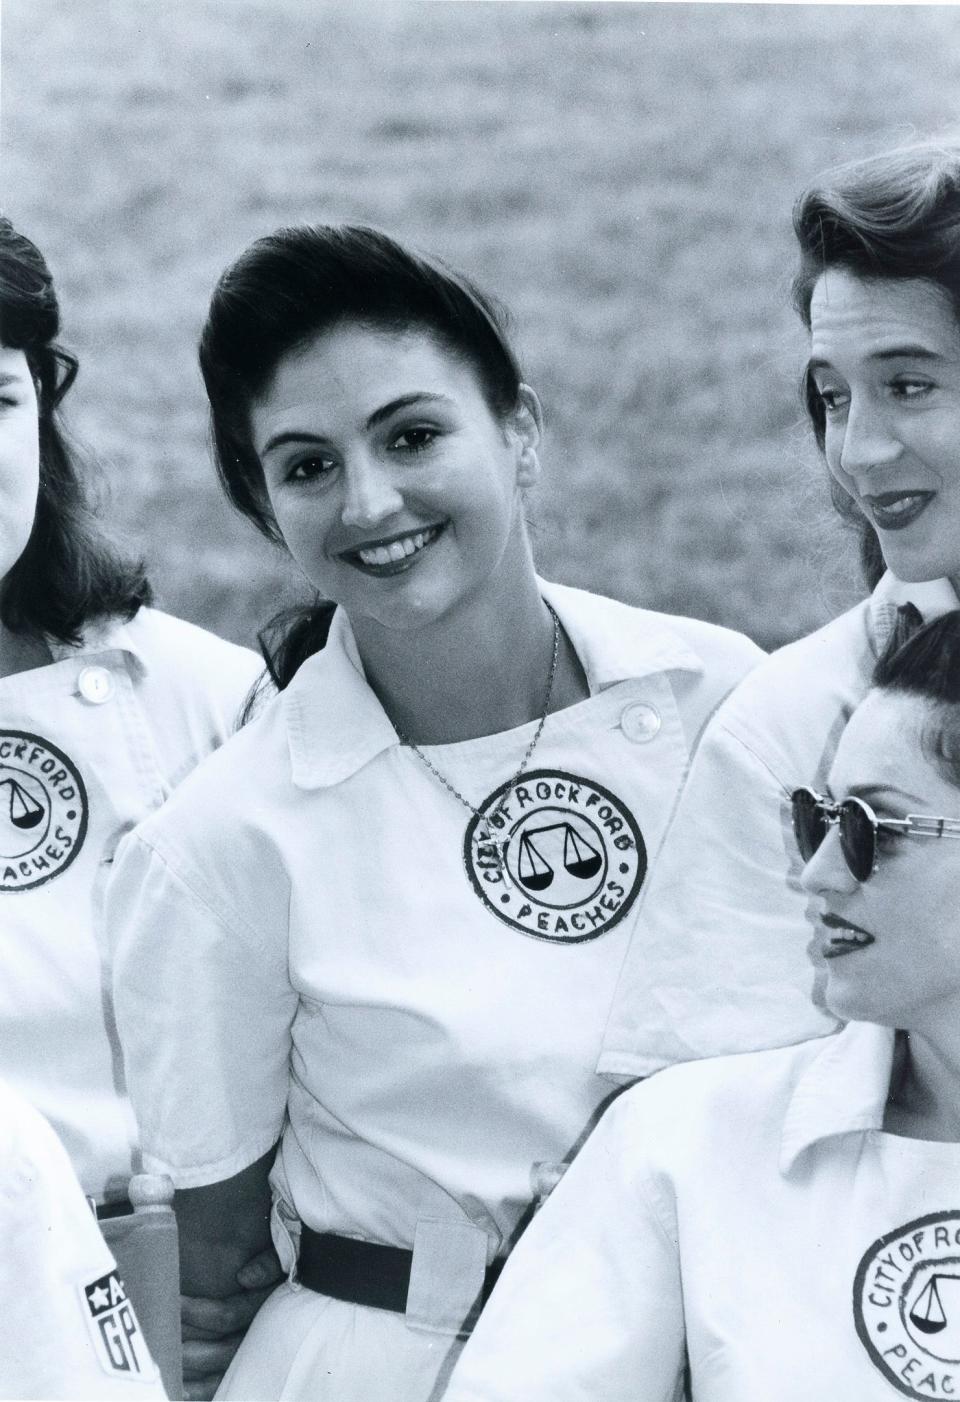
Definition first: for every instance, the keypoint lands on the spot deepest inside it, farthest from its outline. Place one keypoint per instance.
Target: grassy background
(621, 175)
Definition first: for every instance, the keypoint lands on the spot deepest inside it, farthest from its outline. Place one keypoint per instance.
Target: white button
(95, 685)
(640, 722)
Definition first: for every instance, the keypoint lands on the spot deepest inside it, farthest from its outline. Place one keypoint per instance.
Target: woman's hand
(224, 1244)
(212, 1329)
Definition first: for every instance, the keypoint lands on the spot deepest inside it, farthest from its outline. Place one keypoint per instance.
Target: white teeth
(397, 550)
(848, 936)
(379, 555)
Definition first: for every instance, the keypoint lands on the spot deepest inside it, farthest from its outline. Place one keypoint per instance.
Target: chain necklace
(486, 819)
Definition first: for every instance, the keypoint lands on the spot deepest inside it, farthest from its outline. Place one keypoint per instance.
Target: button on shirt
(89, 744)
(724, 909)
(66, 1330)
(314, 925)
(752, 1211)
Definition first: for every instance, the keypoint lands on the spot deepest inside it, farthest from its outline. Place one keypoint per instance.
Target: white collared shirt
(747, 1213)
(315, 928)
(724, 909)
(90, 744)
(67, 1327)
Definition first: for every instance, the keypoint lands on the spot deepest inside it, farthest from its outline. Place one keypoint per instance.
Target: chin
(854, 1004)
(919, 567)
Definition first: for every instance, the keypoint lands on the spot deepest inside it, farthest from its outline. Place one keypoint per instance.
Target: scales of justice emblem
(43, 811)
(906, 1303)
(556, 856)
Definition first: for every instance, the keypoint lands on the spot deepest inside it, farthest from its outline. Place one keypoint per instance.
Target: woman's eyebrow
(908, 351)
(405, 401)
(871, 792)
(911, 352)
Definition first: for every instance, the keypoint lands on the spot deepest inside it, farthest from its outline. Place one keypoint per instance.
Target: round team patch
(43, 811)
(573, 856)
(906, 1306)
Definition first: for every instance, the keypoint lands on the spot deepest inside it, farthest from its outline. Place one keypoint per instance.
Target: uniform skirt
(307, 1346)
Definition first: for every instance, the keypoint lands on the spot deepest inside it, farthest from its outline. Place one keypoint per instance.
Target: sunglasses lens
(857, 839)
(809, 823)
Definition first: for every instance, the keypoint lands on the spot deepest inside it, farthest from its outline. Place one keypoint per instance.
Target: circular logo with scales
(43, 811)
(906, 1306)
(556, 856)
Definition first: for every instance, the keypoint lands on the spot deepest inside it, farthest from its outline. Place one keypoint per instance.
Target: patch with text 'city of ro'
(43, 811)
(555, 856)
(117, 1337)
(906, 1306)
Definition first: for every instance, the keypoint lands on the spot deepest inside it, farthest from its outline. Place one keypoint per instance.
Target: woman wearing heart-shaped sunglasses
(785, 1223)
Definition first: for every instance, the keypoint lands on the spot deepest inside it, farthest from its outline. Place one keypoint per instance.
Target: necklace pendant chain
(487, 819)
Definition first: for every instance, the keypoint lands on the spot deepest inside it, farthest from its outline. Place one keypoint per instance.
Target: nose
(826, 873)
(370, 494)
(869, 440)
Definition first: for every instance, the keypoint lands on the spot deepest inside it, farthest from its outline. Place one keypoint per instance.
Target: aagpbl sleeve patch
(118, 1340)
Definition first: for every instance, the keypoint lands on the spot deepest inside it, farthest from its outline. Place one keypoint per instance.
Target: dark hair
(291, 287)
(923, 659)
(67, 574)
(894, 215)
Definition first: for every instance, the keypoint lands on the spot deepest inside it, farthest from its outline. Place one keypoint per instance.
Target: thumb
(261, 1270)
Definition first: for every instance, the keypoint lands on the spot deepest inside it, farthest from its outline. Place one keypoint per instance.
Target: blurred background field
(621, 175)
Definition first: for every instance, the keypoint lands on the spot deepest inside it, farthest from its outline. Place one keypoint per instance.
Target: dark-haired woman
(105, 704)
(785, 1224)
(878, 288)
(384, 927)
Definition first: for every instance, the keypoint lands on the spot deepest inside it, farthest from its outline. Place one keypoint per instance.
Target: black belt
(120, 1207)
(363, 1272)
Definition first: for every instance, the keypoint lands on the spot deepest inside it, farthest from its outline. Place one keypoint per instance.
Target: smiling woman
(878, 288)
(386, 929)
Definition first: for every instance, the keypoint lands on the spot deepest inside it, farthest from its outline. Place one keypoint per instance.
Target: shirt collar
(335, 724)
(932, 597)
(103, 635)
(843, 1089)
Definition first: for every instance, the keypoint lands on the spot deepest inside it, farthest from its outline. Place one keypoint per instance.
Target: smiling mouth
(846, 940)
(393, 555)
(892, 511)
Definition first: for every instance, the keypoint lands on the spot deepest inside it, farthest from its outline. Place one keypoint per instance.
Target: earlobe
(528, 426)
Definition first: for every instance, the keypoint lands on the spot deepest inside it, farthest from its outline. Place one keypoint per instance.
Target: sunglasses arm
(921, 826)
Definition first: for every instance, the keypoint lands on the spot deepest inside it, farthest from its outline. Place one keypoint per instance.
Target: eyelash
(906, 388)
(888, 838)
(415, 430)
(425, 432)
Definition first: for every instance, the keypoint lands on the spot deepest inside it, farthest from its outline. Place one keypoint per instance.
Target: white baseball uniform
(724, 908)
(67, 1328)
(90, 744)
(314, 940)
(748, 1216)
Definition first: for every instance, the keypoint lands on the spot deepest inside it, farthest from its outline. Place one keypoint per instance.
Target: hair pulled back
(894, 215)
(293, 286)
(68, 574)
(923, 660)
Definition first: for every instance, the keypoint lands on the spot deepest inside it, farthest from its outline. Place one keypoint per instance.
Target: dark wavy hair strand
(68, 574)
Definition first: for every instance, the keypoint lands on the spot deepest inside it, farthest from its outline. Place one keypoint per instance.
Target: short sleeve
(590, 1304)
(204, 1008)
(67, 1329)
(717, 962)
